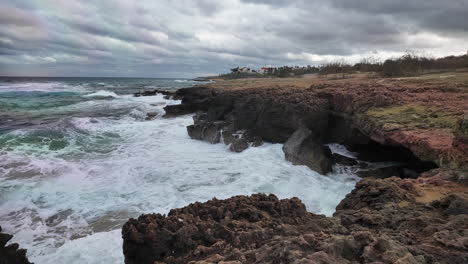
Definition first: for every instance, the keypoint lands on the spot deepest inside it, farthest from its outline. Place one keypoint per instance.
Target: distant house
(266, 68)
(245, 69)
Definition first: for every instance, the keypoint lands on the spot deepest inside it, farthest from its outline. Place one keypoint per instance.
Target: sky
(189, 38)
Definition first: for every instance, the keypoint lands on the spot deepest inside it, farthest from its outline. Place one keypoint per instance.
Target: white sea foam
(340, 149)
(102, 93)
(71, 206)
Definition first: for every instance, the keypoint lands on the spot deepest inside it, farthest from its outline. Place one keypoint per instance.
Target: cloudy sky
(187, 38)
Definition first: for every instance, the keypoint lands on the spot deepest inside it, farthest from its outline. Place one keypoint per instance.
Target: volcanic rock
(389, 220)
(11, 254)
(302, 149)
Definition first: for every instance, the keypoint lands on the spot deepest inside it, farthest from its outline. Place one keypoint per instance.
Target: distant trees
(409, 64)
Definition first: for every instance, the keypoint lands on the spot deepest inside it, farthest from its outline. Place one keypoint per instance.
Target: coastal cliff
(415, 214)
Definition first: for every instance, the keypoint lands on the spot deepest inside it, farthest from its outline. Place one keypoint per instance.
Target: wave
(102, 93)
(181, 81)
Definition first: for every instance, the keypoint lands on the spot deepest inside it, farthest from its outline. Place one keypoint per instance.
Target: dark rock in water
(381, 221)
(206, 131)
(382, 173)
(302, 149)
(176, 110)
(239, 145)
(167, 94)
(213, 131)
(240, 140)
(340, 159)
(11, 254)
(151, 115)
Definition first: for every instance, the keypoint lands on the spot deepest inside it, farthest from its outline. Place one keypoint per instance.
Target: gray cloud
(190, 38)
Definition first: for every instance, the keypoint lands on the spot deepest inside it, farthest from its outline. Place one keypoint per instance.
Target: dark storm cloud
(189, 38)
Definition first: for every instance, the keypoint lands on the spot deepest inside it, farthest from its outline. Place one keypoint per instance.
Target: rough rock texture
(303, 149)
(393, 220)
(424, 116)
(413, 218)
(217, 131)
(11, 254)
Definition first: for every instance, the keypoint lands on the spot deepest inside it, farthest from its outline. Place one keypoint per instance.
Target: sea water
(78, 158)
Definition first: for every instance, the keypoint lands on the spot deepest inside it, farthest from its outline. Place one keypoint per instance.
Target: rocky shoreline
(419, 216)
(11, 254)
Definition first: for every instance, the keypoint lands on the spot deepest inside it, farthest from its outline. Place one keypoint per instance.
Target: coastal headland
(413, 212)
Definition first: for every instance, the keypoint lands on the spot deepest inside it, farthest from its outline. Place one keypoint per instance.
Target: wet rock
(302, 149)
(177, 110)
(206, 131)
(239, 141)
(151, 115)
(11, 254)
(153, 93)
(344, 160)
(381, 173)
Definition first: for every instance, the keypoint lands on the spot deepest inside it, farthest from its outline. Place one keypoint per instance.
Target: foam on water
(101, 93)
(67, 205)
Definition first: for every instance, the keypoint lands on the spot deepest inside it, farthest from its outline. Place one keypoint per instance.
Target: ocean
(78, 157)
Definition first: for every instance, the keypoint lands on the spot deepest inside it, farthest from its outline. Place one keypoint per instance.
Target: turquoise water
(78, 158)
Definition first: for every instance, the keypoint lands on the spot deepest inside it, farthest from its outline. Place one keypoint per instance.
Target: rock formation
(303, 149)
(393, 220)
(420, 216)
(11, 254)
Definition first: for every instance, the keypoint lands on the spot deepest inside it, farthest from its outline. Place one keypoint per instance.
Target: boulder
(303, 149)
(151, 115)
(206, 131)
(239, 141)
(344, 160)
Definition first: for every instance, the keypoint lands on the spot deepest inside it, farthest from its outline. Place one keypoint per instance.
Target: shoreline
(421, 120)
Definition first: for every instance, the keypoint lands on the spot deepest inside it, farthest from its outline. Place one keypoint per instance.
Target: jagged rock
(206, 131)
(176, 110)
(11, 254)
(382, 173)
(340, 159)
(239, 141)
(381, 221)
(154, 92)
(302, 149)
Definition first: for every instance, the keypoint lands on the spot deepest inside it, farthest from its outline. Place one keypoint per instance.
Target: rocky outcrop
(302, 148)
(11, 254)
(420, 117)
(421, 216)
(217, 131)
(167, 94)
(382, 221)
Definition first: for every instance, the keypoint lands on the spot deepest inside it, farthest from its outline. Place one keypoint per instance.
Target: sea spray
(67, 204)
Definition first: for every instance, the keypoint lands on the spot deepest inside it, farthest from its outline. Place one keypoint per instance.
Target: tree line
(409, 64)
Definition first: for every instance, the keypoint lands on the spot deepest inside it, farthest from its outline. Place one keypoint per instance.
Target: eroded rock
(302, 148)
(381, 221)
